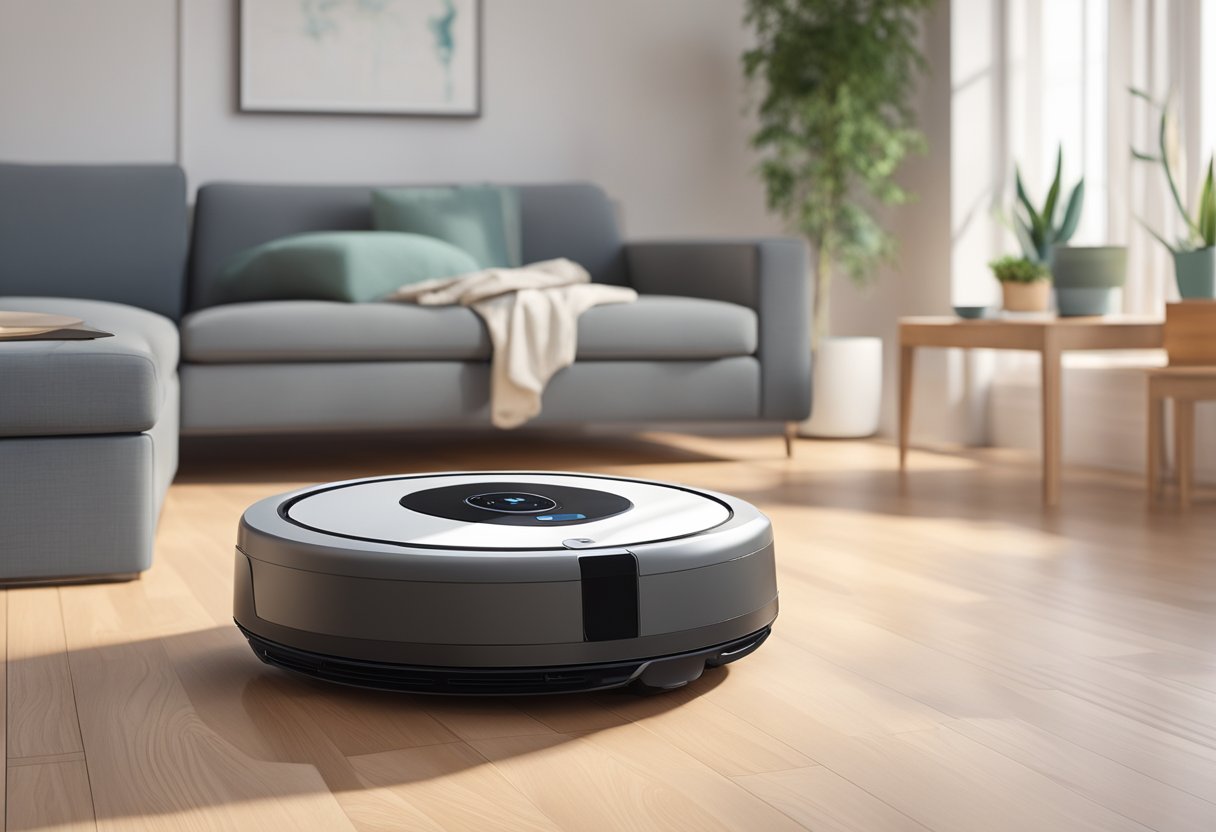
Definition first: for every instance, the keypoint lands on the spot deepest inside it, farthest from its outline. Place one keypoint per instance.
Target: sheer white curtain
(1056, 97)
(1155, 47)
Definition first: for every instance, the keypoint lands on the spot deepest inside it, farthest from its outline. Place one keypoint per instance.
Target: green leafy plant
(835, 122)
(1011, 269)
(1201, 227)
(1037, 230)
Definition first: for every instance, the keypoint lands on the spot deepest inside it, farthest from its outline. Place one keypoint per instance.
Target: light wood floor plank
(154, 764)
(662, 763)
(69, 757)
(477, 719)
(368, 722)
(583, 785)
(53, 797)
(454, 786)
(572, 714)
(1151, 802)
(41, 704)
(690, 721)
(792, 680)
(822, 800)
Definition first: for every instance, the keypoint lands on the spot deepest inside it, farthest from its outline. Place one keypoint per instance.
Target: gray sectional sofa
(719, 332)
(88, 429)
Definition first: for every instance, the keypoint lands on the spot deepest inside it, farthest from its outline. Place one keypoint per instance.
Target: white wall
(644, 98)
(1105, 413)
(82, 80)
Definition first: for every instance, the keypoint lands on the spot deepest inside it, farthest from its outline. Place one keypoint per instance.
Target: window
(1067, 68)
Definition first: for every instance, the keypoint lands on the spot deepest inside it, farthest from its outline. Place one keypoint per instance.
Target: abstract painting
(400, 57)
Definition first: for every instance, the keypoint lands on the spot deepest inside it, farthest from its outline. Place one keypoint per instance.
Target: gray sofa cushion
(663, 327)
(656, 327)
(572, 220)
(109, 232)
(110, 385)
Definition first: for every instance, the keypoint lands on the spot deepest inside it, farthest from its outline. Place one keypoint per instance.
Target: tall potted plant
(835, 124)
(1195, 251)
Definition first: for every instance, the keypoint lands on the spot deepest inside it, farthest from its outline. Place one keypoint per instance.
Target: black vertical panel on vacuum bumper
(610, 596)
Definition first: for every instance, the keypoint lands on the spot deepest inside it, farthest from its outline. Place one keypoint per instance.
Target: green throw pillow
(482, 220)
(354, 266)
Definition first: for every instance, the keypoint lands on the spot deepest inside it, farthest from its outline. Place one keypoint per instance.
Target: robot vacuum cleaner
(504, 582)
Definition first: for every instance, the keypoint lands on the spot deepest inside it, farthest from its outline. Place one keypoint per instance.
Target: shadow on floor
(188, 721)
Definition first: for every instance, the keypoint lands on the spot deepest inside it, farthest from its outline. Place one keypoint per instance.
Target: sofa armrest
(769, 275)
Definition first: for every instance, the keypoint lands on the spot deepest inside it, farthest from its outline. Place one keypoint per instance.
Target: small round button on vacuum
(578, 543)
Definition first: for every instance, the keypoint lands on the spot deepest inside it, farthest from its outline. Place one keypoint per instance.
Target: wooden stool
(1185, 385)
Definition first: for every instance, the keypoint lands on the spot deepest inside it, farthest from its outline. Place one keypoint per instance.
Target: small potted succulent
(1195, 251)
(1025, 284)
(1085, 277)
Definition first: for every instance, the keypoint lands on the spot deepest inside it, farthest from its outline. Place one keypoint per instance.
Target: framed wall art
(391, 57)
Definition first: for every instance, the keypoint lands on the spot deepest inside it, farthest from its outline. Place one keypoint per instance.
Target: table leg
(907, 364)
(1156, 439)
(1051, 423)
(1184, 446)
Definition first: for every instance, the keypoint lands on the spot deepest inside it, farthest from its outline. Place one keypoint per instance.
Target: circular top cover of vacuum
(506, 511)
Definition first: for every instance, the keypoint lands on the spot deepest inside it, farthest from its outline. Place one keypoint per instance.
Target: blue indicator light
(561, 517)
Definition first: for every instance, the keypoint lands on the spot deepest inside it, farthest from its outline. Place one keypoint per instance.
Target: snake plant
(1200, 228)
(1037, 230)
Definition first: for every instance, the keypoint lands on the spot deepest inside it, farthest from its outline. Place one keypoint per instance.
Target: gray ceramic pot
(1196, 273)
(1086, 277)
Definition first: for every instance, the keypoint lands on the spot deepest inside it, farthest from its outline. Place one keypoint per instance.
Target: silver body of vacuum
(504, 582)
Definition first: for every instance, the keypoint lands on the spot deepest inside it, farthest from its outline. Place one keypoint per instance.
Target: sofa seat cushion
(655, 327)
(666, 327)
(102, 386)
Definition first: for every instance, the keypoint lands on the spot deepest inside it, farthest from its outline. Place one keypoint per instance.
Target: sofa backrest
(563, 220)
(103, 232)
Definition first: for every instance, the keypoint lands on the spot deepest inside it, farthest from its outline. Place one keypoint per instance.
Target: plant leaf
(1139, 93)
(1072, 213)
(833, 85)
(1156, 236)
(1036, 223)
(1145, 157)
(1025, 239)
(1207, 209)
(1053, 194)
(1167, 135)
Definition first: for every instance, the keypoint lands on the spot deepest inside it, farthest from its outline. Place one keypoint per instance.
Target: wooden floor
(949, 656)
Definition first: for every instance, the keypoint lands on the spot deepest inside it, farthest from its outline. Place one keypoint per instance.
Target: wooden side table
(1185, 385)
(1050, 337)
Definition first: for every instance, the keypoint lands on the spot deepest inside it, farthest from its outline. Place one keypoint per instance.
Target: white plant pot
(846, 389)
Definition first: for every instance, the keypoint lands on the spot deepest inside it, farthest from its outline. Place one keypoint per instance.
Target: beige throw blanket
(532, 316)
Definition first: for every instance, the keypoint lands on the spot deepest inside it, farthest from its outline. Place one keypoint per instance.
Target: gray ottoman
(88, 443)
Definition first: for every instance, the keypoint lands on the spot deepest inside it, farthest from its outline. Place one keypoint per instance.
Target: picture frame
(361, 57)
